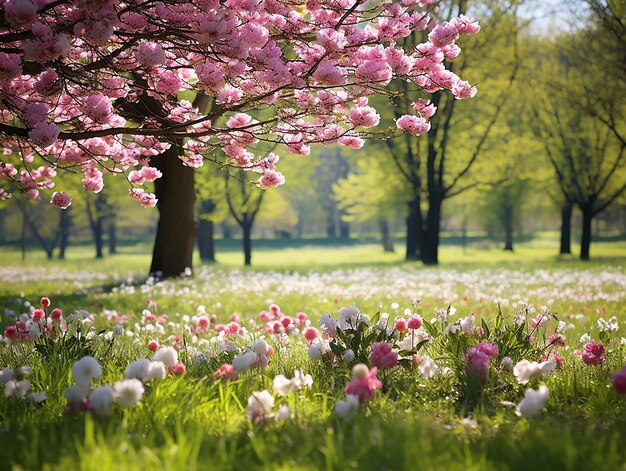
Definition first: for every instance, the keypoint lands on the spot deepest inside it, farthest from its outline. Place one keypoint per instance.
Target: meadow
(262, 368)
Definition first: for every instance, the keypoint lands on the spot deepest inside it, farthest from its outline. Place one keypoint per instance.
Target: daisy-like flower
(138, 369)
(348, 407)
(260, 405)
(101, 401)
(85, 370)
(128, 393)
(524, 370)
(284, 386)
(167, 355)
(534, 401)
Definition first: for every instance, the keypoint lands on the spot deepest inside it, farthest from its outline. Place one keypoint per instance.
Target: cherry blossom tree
(149, 90)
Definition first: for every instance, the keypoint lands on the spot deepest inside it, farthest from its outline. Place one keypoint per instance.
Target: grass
(196, 422)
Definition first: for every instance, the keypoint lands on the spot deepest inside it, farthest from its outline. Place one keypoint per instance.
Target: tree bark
(507, 215)
(65, 224)
(246, 227)
(566, 228)
(414, 229)
(344, 229)
(206, 240)
(173, 245)
(385, 233)
(585, 240)
(430, 243)
(112, 236)
(95, 222)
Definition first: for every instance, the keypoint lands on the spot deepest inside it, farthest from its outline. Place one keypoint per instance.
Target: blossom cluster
(100, 86)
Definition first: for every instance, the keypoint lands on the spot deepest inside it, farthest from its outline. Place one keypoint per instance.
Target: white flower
(260, 347)
(428, 368)
(156, 371)
(395, 306)
(284, 413)
(561, 327)
(348, 407)
(260, 404)
(33, 329)
(16, 389)
(507, 363)
(244, 361)
(127, 393)
(6, 375)
(75, 394)
(524, 370)
(284, 386)
(101, 401)
(534, 401)
(328, 325)
(350, 317)
(168, 355)
(467, 323)
(348, 356)
(85, 370)
(138, 369)
(585, 338)
(37, 397)
(412, 339)
(608, 326)
(318, 348)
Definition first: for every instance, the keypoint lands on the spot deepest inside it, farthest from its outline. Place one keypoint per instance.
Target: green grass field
(194, 421)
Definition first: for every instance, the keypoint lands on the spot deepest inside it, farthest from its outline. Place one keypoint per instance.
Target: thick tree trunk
(206, 240)
(173, 246)
(385, 233)
(508, 227)
(585, 240)
(566, 228)
(95, 223)
(112, 236)
(430, 243)
(414, 229)
(65, 224)
(331, 225)
(247, 241)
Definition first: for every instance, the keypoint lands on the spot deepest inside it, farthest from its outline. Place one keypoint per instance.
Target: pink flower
(61, 200)
(414, 322)
(271, 179)
(38, 314)
(153, 345)
(401, 324)
(44, 134)
(364, 383)
(20, 12)
(10, 332)
(45, 301)
(310, 333)
(593, 354)
(413, 124)
(444, 34)
(98, 108)
(383, 356)
(9, 65)
(56, 315)
(177, 369)
(225, 371)
(619, 381)
(150, 54)
(487, 348)
(365, 116)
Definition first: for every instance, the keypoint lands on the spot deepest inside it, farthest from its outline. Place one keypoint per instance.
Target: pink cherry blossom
(61, 200)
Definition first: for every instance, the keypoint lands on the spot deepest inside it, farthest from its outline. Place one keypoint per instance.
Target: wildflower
(168, 355)
(350, 318)
(128, 393)
(101, 401)
(244, 361)
(16, 388)
(401, 324)
(348, 356)
(414, 322)
(153, 345)
(608, 326)
(348, 407)
(328, 325)
(284, 413)
(85, 370)
(524, 370)
(284, 386)
(177, 369)
(383, 356)
(593, 353)
(364, 382)
(428, 368)
(6, 375)
(507, 363)
(534, 401)
(260, 404)
(75, 395)
(44, 301)
(225, 371)
(478, 363)
(156, 370)
(138, 369)
(618, 381)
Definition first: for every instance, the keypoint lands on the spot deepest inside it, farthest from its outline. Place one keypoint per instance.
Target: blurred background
(533, 166)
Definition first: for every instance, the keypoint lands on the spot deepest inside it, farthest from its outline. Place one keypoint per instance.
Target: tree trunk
(414, 229)
(173, 246)
(112, 236)
(227, 231)
(344, 229)
(566, 228)
(508, 227)
(385, 233)
(331, 227)
(206, 240)
(95, 222)
(65, 224)
(430, 243)
(246, 226)
(585, 240)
